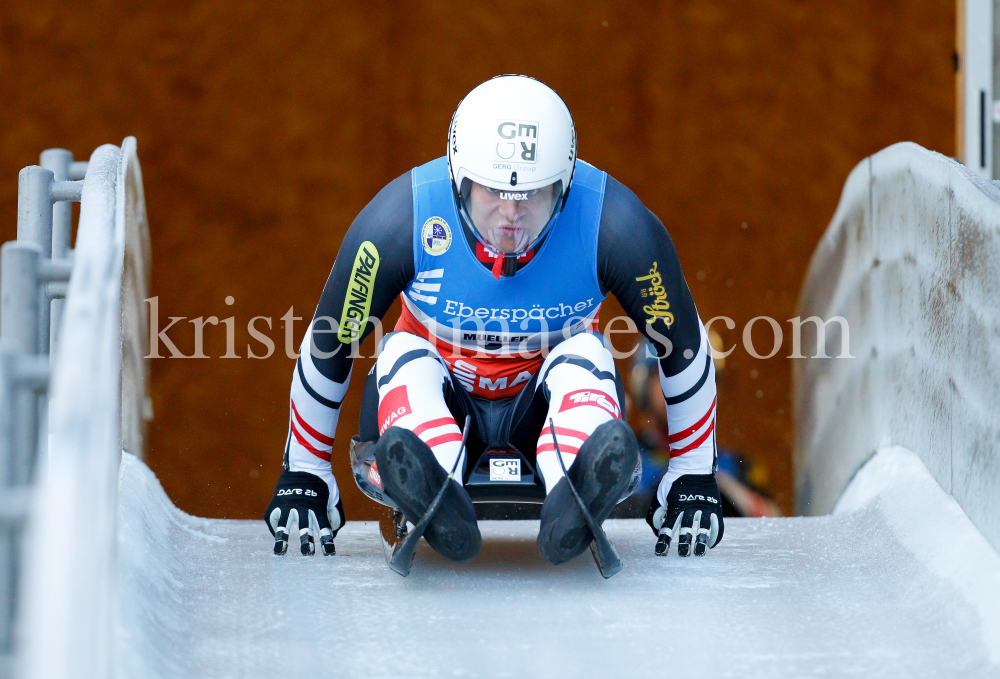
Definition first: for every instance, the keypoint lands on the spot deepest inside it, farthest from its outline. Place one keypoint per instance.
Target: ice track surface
(873, 592)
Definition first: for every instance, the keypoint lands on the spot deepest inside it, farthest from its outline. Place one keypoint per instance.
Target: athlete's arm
(373, 266)
(637, 262)
(387, 223)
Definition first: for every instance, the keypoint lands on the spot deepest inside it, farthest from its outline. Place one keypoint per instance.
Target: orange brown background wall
(263, 130)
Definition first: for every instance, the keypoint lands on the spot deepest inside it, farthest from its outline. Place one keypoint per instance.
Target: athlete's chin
(508, 239)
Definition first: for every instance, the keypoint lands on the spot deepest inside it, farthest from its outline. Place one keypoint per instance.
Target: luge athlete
(502, 252)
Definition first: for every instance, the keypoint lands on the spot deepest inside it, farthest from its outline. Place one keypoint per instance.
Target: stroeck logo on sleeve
(657, 294)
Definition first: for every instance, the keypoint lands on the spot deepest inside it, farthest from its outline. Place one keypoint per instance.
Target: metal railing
(30, 281)
(62, 428)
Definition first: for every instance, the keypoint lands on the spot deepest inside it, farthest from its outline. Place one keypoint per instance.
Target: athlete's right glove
(693, 511)
(305, 498)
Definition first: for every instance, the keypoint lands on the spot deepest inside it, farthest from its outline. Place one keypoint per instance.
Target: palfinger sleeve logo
(658, 293)
(358, 301)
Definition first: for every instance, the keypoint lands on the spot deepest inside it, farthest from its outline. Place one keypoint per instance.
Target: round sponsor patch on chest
(436, 236)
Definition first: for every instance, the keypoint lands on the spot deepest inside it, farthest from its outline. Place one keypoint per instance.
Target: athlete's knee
(402, 355)
(583, 353)
(588, 345)
(397, 343)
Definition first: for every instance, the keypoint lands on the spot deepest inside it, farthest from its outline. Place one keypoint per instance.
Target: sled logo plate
(505, 469)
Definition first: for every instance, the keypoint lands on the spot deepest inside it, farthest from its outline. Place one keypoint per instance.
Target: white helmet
(513, 136)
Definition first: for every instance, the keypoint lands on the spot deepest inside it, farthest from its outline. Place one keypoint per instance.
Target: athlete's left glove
(305, 498)
(693, 511)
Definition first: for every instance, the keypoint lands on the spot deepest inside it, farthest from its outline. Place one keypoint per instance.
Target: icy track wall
(69, 602)
(912, 261)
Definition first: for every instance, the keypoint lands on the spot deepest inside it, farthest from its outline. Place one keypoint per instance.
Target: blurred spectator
(742, 482)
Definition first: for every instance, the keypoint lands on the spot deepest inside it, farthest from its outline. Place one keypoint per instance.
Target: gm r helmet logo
(436, 236)
(518, 140)
(360, 287)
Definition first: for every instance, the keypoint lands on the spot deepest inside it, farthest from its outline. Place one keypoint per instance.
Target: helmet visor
(510, 220)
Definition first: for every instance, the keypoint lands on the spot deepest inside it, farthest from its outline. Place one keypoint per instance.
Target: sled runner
(498, 474)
